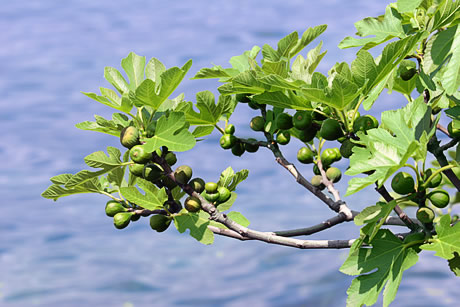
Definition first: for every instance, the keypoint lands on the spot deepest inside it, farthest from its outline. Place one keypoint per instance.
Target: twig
(274, 239)
(443, 129)
(438, 152)
(401, 214)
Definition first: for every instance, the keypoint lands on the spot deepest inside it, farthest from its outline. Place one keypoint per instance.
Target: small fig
(159, 222)
(129, 137)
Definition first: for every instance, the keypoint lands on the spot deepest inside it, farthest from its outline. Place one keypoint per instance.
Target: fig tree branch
(438, 152)
(401, 214)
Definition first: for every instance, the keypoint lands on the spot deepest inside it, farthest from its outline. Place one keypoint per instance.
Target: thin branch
(401, 214)
(274, 239)
(438, 152)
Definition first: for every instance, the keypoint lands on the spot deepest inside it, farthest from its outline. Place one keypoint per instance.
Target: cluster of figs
(143, 166)
(306, 125)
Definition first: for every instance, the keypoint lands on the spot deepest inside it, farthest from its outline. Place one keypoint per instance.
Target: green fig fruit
(331, 130)
(403, 183)
(334, 174)
(284, 121)
(227, 141)
(257, 123)
(211, 187)
(305, 155)
(197, 184)
(425, 215)
(192, 204)
(183, 174)
(113, 207)
(159, 222)
(439, 198)
(302, 120)
(121, 220)
(283, 137)
(129, 137)
(224, 194)
(139, 155)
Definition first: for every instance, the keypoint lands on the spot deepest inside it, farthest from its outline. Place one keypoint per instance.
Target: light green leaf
(228, 204)
(171, 132)
(378, 267)
(239, 177)
(100, 160)
(145, 95)
(245, 61)
(451, 76)
(60, 179)
(112, 127)
(373, 217)
(238, 218)
(279, 99)
(153, 199)
(111, 99)
(202, 131)
(56, 191)
(209, 114)
(286, 44)
(447, 239)
(446, 12)
(215, 72)
(230, 180)
(170, 80)
(114, 77)
(307, 37)
(134, 67)
(303, 68)
(197, 223)
(364, 69)
(408, 6)
(381, 29)
(154, 69)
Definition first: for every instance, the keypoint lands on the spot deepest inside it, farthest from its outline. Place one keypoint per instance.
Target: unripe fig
(135, 217)
(302, 120)
(257, 123)
(129, 137)
(192, 204)
(307, 135)
(317, 182)
(170, 158)
(329, 156)
(436, 181)
(284, 121)
(183, 173)
(227, 141)
(230, 129)
(224, 194)
(211, 187)
(305, 155)
(425, 215)
(346, 148)
(121, 220)
(439, 198)
(364, 123)
(159, 222)
(136, 169)
(113, 207)
(453, 132)
(251, 147)
(197, 184)
(283, 137)
(153, 173)
(403, 183)
(211, 197)
(334, 174)
(407, 69)
(139, 155)
(238, 149)
(330, 130)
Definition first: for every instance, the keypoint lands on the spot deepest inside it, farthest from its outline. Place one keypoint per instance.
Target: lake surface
(69, 254)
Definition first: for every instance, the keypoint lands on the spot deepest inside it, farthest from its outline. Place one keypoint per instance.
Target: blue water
(69, 254)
